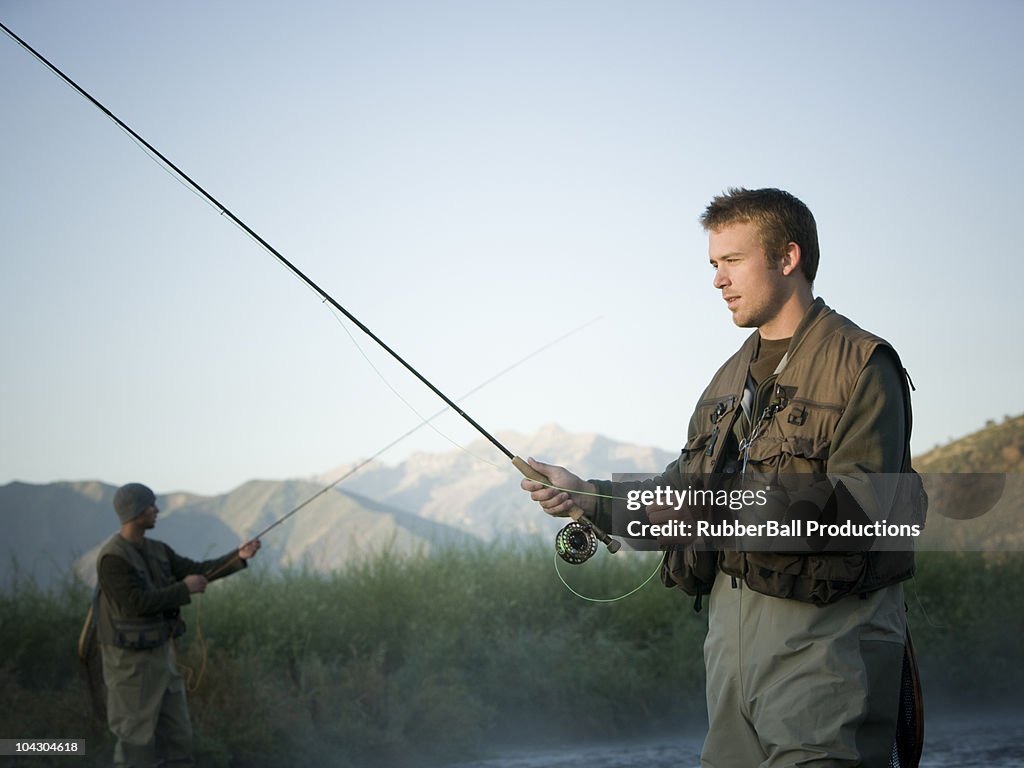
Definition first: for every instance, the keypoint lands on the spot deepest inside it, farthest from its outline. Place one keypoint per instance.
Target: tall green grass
(427, 658)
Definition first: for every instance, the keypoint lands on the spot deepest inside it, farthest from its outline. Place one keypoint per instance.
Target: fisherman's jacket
(141, 611)
(116, 623)
(787, 427)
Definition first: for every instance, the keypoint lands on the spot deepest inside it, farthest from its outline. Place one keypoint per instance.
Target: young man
(143, 584)
(804, 651)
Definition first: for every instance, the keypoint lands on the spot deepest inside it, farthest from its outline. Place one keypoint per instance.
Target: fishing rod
(577, 535)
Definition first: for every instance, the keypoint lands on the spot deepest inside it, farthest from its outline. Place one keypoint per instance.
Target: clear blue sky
(472, 180)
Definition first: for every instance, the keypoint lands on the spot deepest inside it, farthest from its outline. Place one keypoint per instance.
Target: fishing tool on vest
(524, 468)
(777, 404)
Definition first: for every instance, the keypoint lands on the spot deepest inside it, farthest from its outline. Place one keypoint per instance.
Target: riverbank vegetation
(432, 658)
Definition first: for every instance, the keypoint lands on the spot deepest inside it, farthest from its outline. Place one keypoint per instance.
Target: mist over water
(974, 741)
(951, 741)
(674, 753)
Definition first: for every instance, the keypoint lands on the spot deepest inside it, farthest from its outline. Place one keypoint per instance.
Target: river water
(995, 741)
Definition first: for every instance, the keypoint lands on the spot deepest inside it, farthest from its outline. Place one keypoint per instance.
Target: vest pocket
(691, 570)
(693, 453)
(141, 634)
(788, 454)
(798, 439)
(818, 579)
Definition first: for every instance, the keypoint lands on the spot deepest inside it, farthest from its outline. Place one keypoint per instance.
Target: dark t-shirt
(769, 355)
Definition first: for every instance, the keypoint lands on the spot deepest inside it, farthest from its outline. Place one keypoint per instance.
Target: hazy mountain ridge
(48, 527)
(428, 500)
(58, 528)
(431, 499)
(462, 489)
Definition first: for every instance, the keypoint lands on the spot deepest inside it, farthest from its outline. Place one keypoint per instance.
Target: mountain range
(429, 500)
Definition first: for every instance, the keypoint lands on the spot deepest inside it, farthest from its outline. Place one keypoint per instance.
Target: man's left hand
(249, 549)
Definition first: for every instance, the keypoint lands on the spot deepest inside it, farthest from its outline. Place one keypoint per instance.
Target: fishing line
(193, 679)
(127, 132)
(423, 420)
(428, 422)
(408, 433)
(917, 598)
(524, 468)
(633, 591)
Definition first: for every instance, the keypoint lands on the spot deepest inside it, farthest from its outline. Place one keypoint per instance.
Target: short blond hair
(780, 219)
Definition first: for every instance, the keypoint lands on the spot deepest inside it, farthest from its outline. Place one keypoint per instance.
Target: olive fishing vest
(808, 397)
(113, 627)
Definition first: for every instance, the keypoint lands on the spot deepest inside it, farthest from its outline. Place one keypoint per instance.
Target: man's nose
(720, 280)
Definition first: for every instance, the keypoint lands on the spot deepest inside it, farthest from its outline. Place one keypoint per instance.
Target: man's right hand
(565, 493)
(195, 583)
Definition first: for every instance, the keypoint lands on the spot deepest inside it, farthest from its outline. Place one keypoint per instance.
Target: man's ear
(791, 259)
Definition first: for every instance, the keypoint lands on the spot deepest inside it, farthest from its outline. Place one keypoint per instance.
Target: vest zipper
(817, 405)
(768, 383)
(711, 443)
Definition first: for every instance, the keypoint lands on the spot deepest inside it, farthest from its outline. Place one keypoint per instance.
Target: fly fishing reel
(576, 542)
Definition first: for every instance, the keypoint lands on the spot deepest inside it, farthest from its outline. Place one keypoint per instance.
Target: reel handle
(575, 512)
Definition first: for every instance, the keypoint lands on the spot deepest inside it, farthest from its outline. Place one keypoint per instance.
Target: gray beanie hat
(132, 500)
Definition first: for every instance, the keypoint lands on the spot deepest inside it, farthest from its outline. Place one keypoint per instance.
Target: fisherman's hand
(667, 514)
(249, 549)
(195, 583)
(562, 492)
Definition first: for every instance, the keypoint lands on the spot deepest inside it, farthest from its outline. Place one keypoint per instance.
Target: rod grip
(575, 512)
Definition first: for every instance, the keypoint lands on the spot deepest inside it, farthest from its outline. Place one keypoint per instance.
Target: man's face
(148, 518)
(753, 288)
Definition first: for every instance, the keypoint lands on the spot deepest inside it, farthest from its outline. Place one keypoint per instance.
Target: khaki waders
(146, 707)
(796, 684)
